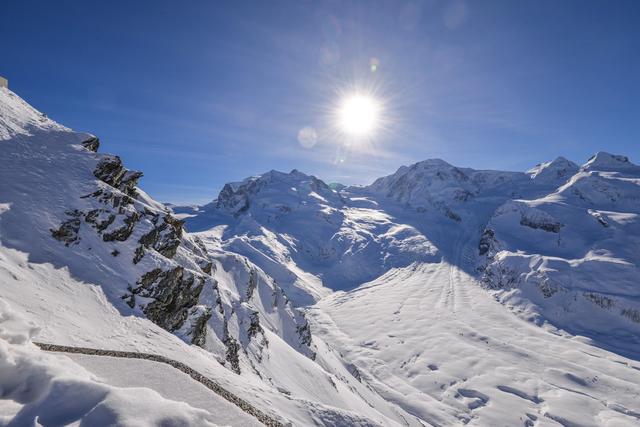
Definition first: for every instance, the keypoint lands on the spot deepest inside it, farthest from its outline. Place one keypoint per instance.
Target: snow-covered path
(429, 338)
(122, 372)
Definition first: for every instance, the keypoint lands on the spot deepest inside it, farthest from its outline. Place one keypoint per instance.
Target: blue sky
(196, 94)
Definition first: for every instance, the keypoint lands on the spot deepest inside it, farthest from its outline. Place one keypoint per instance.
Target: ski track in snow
(449, 353)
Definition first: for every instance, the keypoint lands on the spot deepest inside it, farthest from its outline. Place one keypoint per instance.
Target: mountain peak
(18, 118)
(272, 186)
(604, 161)
(558, 169)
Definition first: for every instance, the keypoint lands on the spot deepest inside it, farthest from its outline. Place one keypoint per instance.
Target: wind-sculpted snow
(430, 339)
(41, 389)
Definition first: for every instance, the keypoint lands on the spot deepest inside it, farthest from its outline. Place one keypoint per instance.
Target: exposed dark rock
(198, 330)
(100, 218)
(304, 332)
(498, 276)
(115, 252)
(111, 171)
(552, 227)
(254, 325)
(139, 253)
(236, 202)
(631, 314)
(600, 300)
(253, 283)
(452, 215)
(68, 230)
(174, 293)
(486, 241)
(129, 182)
(548, 288)
(233, 350)
(91, 144)
(206, 266)
(164, 238)
(121, 234)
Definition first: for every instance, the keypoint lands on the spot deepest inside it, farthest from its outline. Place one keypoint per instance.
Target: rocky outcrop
(304, 332)
(487, 241)
(164, 238)
(174, 292)
(68, 230)
(174, 301)
(122, 233)
(549, 226)
(110, 171)
(233, 350)
(100, 218)
(198, 329)
(91, 144)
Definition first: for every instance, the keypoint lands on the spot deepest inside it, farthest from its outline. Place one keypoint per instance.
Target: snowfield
(437, 295)
(43, 389)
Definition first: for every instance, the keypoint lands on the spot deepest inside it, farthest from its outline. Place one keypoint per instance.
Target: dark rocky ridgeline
(164, 238)
(167, 294)
(91, 144)
(172, 273)
(174, 296)
(111, 171)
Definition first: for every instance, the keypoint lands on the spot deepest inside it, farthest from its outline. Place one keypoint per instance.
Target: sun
(358, 115)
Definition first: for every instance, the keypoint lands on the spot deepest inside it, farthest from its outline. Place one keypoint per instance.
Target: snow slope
(572, 256)
(93, 261)
(42, 389)
(438, 295)
(443, 349)
(425, 330)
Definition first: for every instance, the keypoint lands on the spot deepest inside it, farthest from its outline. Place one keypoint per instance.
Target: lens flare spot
(307, 137)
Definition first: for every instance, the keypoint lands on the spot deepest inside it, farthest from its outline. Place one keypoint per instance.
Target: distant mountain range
(437, 295)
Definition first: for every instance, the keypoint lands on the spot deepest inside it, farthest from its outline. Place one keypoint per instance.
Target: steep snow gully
(438, 295)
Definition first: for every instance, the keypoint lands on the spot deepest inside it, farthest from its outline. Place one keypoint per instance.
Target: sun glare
(358, 115)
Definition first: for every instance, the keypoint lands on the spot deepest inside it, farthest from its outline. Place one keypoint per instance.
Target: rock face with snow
(75, 226)
(571, 256)
(308, 237)
(437, 185)
(334, 305)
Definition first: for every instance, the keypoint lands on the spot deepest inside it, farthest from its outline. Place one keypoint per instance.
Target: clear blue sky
(196, 94)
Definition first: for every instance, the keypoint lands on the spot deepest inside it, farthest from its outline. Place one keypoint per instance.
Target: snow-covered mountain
(572, 257)
(93, 261)
(438, 295)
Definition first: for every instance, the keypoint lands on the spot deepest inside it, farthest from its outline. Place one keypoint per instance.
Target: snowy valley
(437, 295)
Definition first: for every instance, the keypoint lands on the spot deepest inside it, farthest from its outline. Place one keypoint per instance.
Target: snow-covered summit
(554, 172)
(606, 162)
(18, 118)
(437, 185)
(275, 191)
